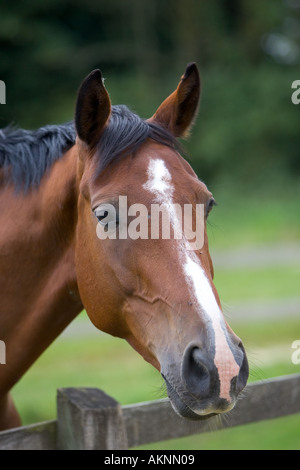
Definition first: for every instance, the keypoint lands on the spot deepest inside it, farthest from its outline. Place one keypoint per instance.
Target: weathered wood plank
(41, 436)
(156, 421)
(89, 419)
(267, 399)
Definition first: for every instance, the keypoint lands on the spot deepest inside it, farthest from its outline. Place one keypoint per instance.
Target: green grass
(98, 361)
(258, 284)
(265, 333)
(257, 217)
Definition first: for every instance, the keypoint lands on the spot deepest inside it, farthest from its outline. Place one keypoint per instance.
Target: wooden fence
(89, 419)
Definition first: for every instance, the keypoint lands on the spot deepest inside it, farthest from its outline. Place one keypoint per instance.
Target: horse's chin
(181, 408)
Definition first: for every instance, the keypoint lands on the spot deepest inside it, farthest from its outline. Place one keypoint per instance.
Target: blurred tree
(248, 54)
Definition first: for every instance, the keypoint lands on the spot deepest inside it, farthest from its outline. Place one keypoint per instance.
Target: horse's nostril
(197, 372)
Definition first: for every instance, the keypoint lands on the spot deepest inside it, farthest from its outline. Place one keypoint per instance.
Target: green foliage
(247, 129)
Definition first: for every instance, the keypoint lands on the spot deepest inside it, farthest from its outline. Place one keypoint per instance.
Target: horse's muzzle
(197, 393)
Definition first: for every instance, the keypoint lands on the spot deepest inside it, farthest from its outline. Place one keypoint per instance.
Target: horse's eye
(211, 203)
(107, 216)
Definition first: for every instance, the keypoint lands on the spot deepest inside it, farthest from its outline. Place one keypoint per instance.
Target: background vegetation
(245, 146)
(248, 53)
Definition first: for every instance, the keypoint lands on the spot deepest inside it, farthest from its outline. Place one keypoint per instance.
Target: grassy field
(93, 359)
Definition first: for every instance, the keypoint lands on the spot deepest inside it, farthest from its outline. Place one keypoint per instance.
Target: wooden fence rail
(89, 419)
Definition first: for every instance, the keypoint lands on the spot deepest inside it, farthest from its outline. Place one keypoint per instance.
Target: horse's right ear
(93, 108)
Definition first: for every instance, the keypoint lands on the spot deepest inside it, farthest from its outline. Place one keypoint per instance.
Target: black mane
(126, 132)
(27, 155)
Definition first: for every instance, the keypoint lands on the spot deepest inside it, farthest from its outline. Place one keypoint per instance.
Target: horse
(58, 187)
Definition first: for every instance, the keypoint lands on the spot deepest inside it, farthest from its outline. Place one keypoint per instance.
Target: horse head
(156, 292)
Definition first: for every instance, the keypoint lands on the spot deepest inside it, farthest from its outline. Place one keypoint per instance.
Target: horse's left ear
(93, 108)
(178, 112)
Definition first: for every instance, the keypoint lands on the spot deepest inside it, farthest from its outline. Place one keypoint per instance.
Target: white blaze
(160, 185)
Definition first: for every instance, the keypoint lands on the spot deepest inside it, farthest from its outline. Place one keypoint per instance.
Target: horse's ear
(93, 108)
(178, 112)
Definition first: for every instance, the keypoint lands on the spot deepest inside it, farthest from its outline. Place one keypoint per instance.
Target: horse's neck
(48, 217)
(39, 294)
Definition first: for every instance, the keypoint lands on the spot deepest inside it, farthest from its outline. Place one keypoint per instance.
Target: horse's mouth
(180, 407)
